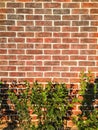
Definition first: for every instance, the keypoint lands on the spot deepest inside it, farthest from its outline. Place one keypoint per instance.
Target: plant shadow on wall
(88, 94)
(52, 105)
(6, 113)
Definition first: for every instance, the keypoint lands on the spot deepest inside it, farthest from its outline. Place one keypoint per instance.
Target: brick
(52, 40)
(52, 29)
(23, 0)
(15, 17)
(68, 63)
(7, 34)
(79, 69)
(61, 23)
(44, 1)
(70, 17)
(71, 5)
(4, 74)
(88, 40)
(34, 74)
(70, 40)
(3, 40)
(2, 4)
(2, 28)
(17, 74)
(80, 0)
(94, 11)
(34, 29)
(88, 52)
(3, 51)
(52, 74)
(61, 34)
(78, 46)
(7, 68)
(25, 57)
(43, 23)
(43, 34)
(60, 58)
(35, 40)
(34, 52)
(26, 68)
(93, 34)
(33, 5)
(80, 11)
(80, 23)
(24, 11)
(43, 79)
(60, 80)
(7, 22)
(16, 40)
(25, 46)
(87, 63)
(52, 5)
(75, 57)
(66, 74)
(43, 68)
(7, 11)
(20, 63)
(33, 17)
(88, 29)
(61, 11)
(93, 58)
(43, 57)
(56, 52)
(70, 29)
(89, 5)
(51, 63)
(2, 16)
(36, 63)
(79, 34)
(14, 51)
(61, 46)
(92, 46)
(3, 63)
(94, 23)
(70, 52)
(7, 57)
(62, 0)
(52, 17)
(60, 68)
(25, 23)
(14, 5)
(14, 28)
(89, 17)
(25, 34)
(42, 46)
(43, 11)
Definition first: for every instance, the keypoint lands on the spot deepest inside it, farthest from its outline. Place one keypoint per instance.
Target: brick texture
(48, 39)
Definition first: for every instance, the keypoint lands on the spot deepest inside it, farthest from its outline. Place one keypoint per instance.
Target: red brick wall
(48, 39)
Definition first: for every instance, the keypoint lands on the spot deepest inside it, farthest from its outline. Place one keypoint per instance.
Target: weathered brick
(61, 46)
(25, 57)
(72, 52)
(86, 63)
(34, 52)
(62, 0)
(52, 40)
(7, 22)
(52, 74)
(60, 58)
(14, 51)
(70, 17)
(20, 63)
(14, 5)
(15, 16)
(2, 28)
(16, 40)
(35, 40)
(80, 23)
(7, 11)
(34, 29)
(34, 74)
(33, 5)
(7, 68)
(80, 11)
(87, 52)
(52, 17)
(2, 16)
(52, 5)
(43, 23)
(88, 40)
(78, 46)
(61, 23)
(89, 17)
(61, 34)
(15, 28)
(94, 11)
(43, 57)
(25, 68)
(7, 34)
(43, 46)
(2, 4)
(25, 34)
(56, 52)
(70, 40)
(25, 23)
(71, 5)
(24, 11)
(79, 34)
(33, 17)
(89, 5)
(17, 74)
(80, 0)
(89, 29)
(43, 69)
(43, 11)
(70, 29)
(52, 29)
(78, 57)
(51, 63)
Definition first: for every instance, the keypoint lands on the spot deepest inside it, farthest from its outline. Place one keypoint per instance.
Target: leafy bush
(88, 118)
(51, 104)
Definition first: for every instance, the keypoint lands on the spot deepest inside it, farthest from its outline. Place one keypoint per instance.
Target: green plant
(22, 105)
(51, 105)
(88, 118)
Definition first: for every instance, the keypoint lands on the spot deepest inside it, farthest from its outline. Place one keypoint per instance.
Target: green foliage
(88, 118)
(51, 104)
